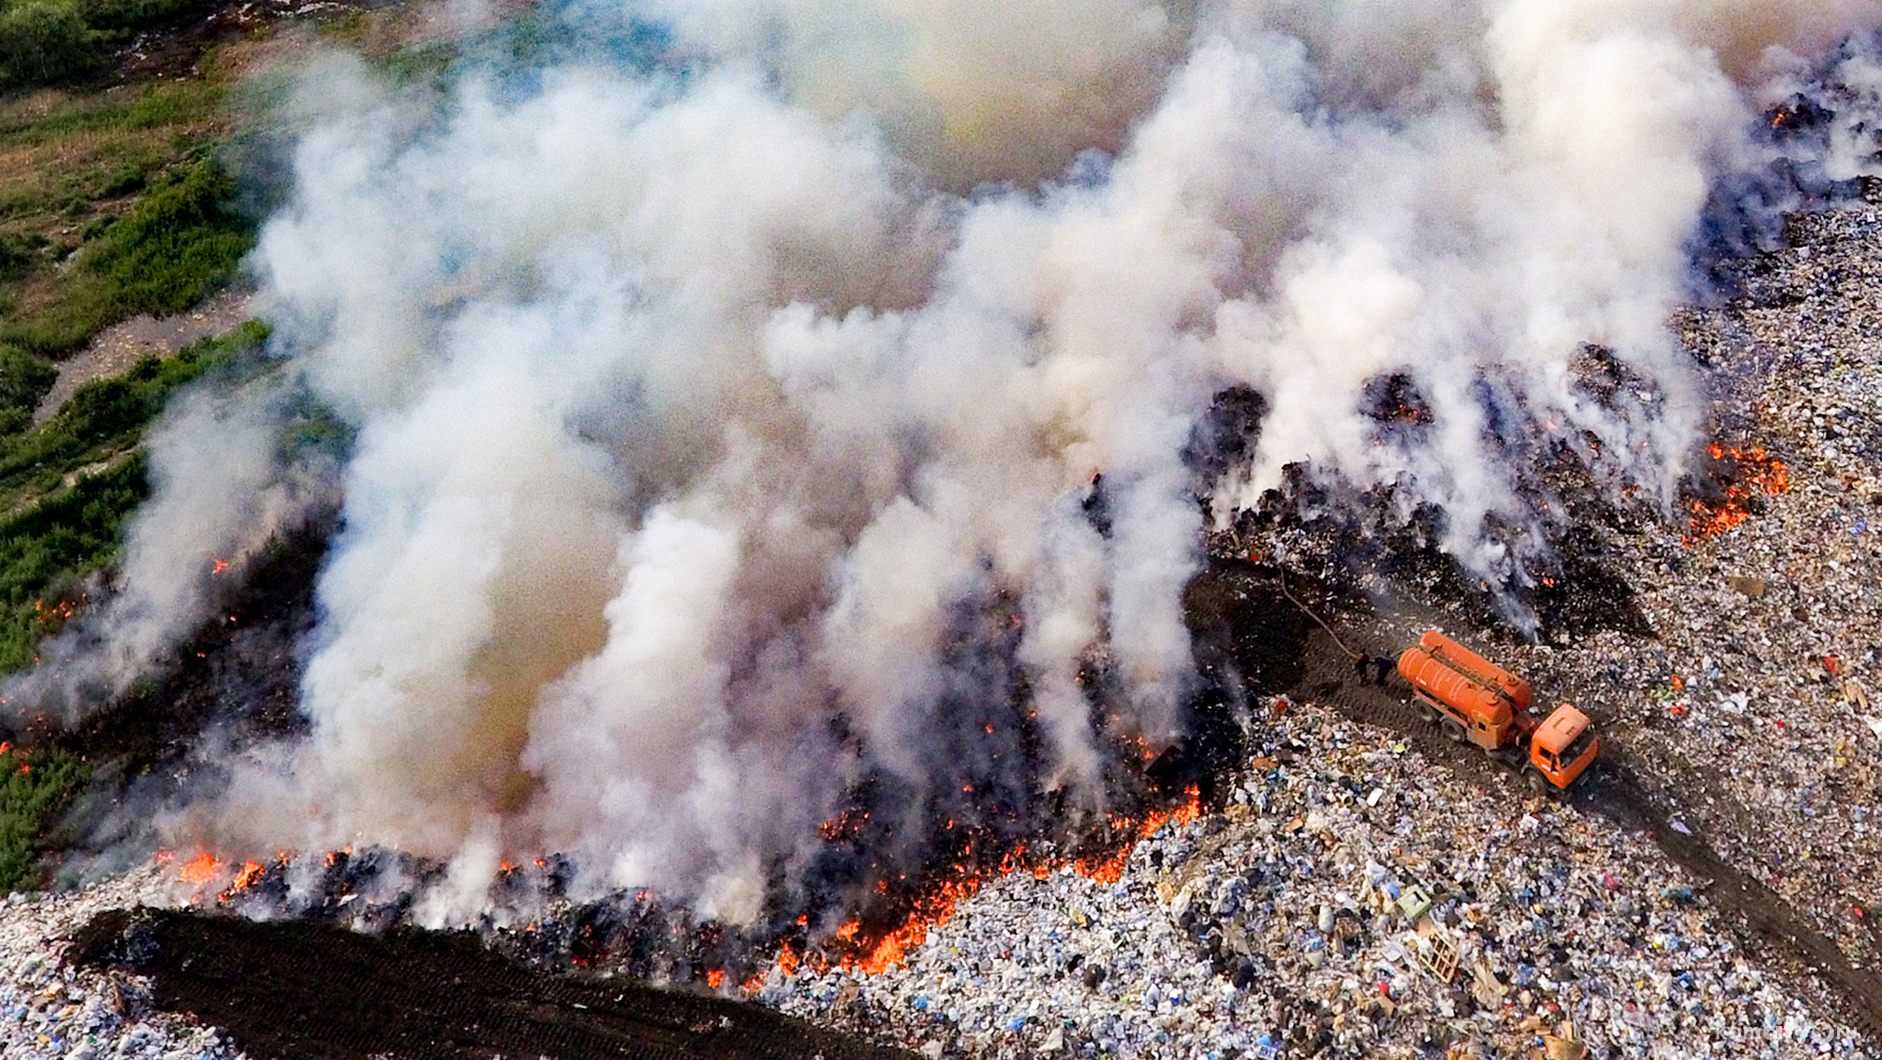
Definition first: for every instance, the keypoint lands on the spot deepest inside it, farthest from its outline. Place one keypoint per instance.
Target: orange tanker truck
(1476, 700)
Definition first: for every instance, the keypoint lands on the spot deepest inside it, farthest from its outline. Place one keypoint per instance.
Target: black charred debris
(313, 991)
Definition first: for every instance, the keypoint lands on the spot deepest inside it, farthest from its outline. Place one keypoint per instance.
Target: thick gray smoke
(703, 404)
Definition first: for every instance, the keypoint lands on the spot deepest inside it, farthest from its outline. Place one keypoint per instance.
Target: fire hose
(1309, 612)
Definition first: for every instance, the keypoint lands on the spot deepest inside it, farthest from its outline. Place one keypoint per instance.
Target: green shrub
(105, 408)
(24, 380)
(183, 241)
(35, 786)
(50, 544)
(179, 244)
(123, 181)
(44, 42)
(96, 227)
(18, 252)
(81, 311)
(108, 415)
(47, 550)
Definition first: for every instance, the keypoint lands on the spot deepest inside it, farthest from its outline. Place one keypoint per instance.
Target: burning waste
(758, 418)
(1741, 476)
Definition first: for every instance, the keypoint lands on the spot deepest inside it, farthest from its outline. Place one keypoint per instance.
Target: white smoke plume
(221, 493)
(715, 415)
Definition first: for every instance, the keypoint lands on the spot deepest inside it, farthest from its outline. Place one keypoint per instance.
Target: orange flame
(938, 908)
(714, 977)
(251, 871)
(56, 613)
(200, 870)
(1111, 869)
(1765, 473)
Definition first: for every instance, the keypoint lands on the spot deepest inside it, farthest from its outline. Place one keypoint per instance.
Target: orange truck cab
(1476, 700)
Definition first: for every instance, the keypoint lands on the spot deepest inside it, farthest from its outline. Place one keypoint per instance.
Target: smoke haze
(724, 422)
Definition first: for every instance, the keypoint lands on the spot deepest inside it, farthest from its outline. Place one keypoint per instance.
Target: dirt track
(1766, 920)
(305, 991)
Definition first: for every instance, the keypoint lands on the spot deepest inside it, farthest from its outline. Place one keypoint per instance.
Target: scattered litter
(1324, 921)
(49, 1010)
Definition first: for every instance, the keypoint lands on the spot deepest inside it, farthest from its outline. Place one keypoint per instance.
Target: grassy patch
(34, 787)
(46, 551)
(24, 380)
(111, 204)
(179, 243)
(69, 484)
(54, 42)
(105, 417)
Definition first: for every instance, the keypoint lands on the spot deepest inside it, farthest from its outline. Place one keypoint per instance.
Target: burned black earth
(308, 991)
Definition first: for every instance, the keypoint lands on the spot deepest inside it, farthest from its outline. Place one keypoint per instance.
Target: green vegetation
(111, 204)
(115, 200)
(117, 18)
(69, 484)
(34, 787)
(179, 243)
(106, 416)
(46, 551)
(50, 42)
(24, 380)
(46, 41)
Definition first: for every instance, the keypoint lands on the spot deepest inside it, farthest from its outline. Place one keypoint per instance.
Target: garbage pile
(1757, 710)
(1353, 900)
(49, 1009)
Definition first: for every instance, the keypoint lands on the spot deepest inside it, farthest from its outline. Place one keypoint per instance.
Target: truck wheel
(1537, 782)
(1426, 712)
(1453, 731)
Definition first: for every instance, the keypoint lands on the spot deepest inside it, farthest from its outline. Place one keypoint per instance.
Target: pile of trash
(1353, 900)
(49, 1009)
(1756, 709)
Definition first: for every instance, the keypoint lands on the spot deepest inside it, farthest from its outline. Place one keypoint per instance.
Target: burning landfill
(886, 512)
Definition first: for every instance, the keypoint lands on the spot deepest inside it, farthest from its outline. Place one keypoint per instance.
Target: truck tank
(1477, 699)
(1458, 657)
